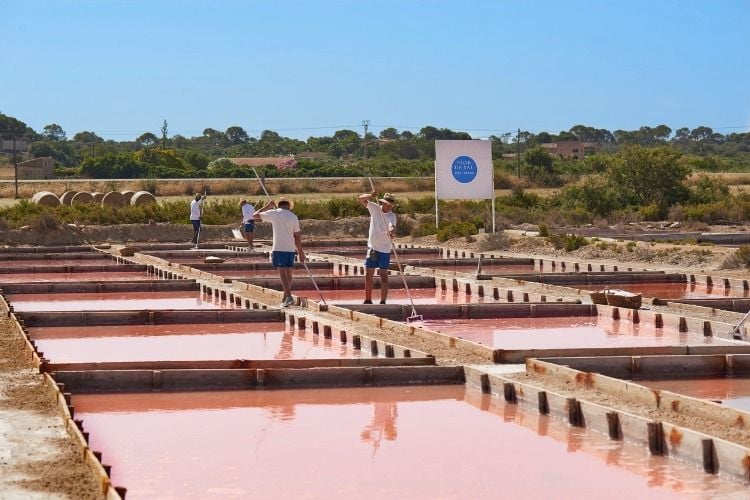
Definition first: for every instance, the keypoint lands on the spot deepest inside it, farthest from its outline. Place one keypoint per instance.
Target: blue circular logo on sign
(464, 169)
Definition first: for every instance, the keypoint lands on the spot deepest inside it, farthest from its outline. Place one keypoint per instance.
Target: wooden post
(656, 443)
(509, 392)
(613, 423)
(543, 403)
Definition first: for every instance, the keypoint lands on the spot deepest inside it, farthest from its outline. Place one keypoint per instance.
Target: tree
(54, 132)
(87, 137)
(270, 136)
(644, 176)
(681, 135)
(390, 134)
(11, 127)
(147, 139)
(236, 135)
(215, 137)
(539, 164)
(164, 135)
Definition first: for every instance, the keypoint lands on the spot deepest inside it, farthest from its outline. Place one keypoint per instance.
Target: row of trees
(391, 152)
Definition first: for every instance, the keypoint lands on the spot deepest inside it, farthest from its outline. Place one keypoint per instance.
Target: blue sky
(308, 68)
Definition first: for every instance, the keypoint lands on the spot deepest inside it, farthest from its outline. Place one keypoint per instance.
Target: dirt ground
(38, 458)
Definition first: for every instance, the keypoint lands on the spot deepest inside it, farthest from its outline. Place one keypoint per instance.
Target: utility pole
(365, 124)
(15, 163)
(518, 152)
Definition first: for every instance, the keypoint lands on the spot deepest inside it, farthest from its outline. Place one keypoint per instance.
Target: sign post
(464, 171)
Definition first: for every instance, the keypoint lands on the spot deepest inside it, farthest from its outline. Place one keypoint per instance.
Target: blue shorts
(249, 226)
(283, 259)
(196, 224)
(377, 259)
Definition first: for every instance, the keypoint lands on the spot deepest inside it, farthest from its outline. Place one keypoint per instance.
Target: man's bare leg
(369, 273)
(383, 285)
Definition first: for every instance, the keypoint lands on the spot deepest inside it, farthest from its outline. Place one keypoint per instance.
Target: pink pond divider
(420, 296)
(413, 442)
(76, 267)
(46, 249)
(722, 377)
(188, 257)
(75, 277)
(678, 290)
(28, 260)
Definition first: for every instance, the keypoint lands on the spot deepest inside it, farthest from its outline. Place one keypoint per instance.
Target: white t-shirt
(380, 221)
(285, 224)
(247, 213)
(196, 207)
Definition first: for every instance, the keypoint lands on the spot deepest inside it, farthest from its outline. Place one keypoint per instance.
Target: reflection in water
(382, 425)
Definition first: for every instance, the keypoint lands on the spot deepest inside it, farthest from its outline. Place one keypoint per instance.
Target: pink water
(184, 342)
(412, 442)
(54, 277)
(120, 301)
(678, 290)
(397, 296)
(565, 332)
(732, 392)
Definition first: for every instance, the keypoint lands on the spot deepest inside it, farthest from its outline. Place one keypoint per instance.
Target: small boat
(622, 298)
(213, 260)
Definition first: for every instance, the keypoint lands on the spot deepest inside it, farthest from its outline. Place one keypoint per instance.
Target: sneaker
(368, 301)
(287, 302)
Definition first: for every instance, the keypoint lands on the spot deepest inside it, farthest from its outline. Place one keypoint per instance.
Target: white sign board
(463, 170)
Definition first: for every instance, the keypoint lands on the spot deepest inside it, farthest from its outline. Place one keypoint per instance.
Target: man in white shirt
(382, 224)
(248, 222)
(196, 211)
(287, 238)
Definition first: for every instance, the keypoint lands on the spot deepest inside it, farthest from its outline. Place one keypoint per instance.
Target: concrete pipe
(128, 196)
(67, 197)
(97, 196)
(82, 198)
(46, 199)
(114, 199)
(143, 198)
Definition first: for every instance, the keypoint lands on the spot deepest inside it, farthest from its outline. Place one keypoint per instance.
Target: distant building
(38, 168)
(280, 162)
(571, 150)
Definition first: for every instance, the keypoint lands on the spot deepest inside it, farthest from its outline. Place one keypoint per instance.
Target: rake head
(415, 318)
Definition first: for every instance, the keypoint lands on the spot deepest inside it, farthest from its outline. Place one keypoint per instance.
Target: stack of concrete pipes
(111, 199)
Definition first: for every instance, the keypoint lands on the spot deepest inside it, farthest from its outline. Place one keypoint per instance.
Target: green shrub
(741, 257)
(543, 230)
(569, 242)
(495, 241)
(456, 230)
(630, 246)
(424, 229)
(45, 222)
(651, 212)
